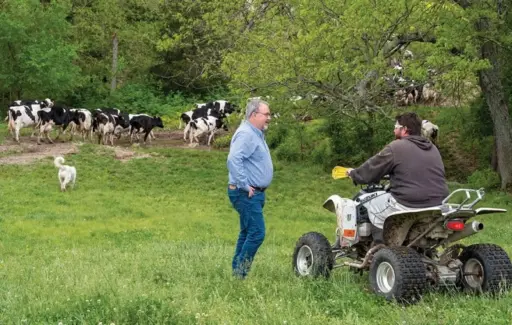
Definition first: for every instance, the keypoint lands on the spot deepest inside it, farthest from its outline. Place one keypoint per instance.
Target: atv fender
(398, 224)
(481, 211)
(346, 216)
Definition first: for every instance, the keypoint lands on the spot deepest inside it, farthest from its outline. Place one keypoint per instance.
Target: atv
(416, 250)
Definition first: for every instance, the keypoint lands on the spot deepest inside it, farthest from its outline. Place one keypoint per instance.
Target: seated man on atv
(415, 169)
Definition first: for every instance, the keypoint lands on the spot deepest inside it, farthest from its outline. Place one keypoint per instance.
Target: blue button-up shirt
(249, 162)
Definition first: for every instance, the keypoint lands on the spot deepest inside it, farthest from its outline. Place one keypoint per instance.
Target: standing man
(250, 173)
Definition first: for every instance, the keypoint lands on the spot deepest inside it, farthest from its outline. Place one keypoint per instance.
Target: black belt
(260, 189)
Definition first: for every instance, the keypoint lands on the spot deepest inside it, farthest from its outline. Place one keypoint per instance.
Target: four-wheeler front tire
(398, 273)
(313, 256)
(485, 268)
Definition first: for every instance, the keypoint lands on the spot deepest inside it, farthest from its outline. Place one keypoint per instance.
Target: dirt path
(28, 151)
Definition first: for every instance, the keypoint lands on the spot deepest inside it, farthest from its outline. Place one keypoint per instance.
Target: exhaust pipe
(469, 229)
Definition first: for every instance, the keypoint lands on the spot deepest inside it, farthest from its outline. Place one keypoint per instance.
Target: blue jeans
(252, 228)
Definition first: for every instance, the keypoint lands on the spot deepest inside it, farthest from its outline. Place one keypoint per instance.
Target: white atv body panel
(365, 199)
(481, 211)
(346, 215)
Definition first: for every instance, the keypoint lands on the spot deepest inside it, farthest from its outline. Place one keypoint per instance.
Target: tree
(136, 26)
(342, 51)
(489, 23)
(192, 44)
(36, 51)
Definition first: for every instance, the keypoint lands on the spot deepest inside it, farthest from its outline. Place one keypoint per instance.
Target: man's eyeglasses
(266, 114)
(397, 126)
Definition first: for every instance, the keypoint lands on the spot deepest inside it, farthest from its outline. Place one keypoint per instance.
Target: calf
(144, 124)
(120, 130)
(106, 124)
(205, 125)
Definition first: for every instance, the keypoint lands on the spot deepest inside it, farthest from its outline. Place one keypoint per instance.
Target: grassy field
(150, 241)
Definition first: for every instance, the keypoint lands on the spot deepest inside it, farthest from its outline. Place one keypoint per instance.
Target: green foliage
(322, 153)
(35, 48)
(486, 178)
(145, 98)
(329, 48)
(192, 43)
(222, 141)
(330, 141)
(277, 134)
(136, 25)
(356, 140)
(290, 149)
(293, 140)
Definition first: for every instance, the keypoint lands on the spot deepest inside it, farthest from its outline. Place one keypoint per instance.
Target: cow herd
(109, 124)
(205, 120)
(106, 123)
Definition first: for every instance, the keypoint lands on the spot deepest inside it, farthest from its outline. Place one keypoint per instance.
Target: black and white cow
(205, 126)
(58, 116)
(224, 107)
(144, 124)
(81, 122)
(187, 116)
(21, 114)
(106, 124)
(219, 108)
(123, 120)
(120, 130)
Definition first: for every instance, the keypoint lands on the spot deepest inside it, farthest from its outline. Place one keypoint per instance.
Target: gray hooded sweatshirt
(415, 169)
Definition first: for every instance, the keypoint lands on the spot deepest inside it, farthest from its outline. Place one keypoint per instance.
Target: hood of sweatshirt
(419, 141)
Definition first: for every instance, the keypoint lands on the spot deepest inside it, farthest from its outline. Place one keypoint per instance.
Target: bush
(170, 122)
(290, 149)
(486, 178)
(355, 140)
(222, 142)
(277, 134)
(139, 98)
(322, 154)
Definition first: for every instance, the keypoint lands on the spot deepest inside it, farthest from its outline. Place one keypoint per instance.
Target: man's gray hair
(253, 106)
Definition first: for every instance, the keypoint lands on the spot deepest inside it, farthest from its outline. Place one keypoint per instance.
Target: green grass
(150, 241)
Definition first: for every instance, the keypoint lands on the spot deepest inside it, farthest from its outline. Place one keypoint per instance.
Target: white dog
(66, 173)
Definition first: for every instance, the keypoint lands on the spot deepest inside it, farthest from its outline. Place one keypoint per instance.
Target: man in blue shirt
(250, 173)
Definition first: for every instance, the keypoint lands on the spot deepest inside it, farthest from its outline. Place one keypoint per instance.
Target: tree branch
(463, 3)
(329, 11)
(391, 30)
(402, 40)
(261, 12)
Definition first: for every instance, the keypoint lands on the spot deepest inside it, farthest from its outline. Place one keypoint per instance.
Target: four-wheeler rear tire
(398, 273)
(313, 256)
(485, 268)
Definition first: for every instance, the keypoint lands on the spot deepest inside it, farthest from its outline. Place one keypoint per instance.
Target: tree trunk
(491, 84)
(494, 156)
(113, 85)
